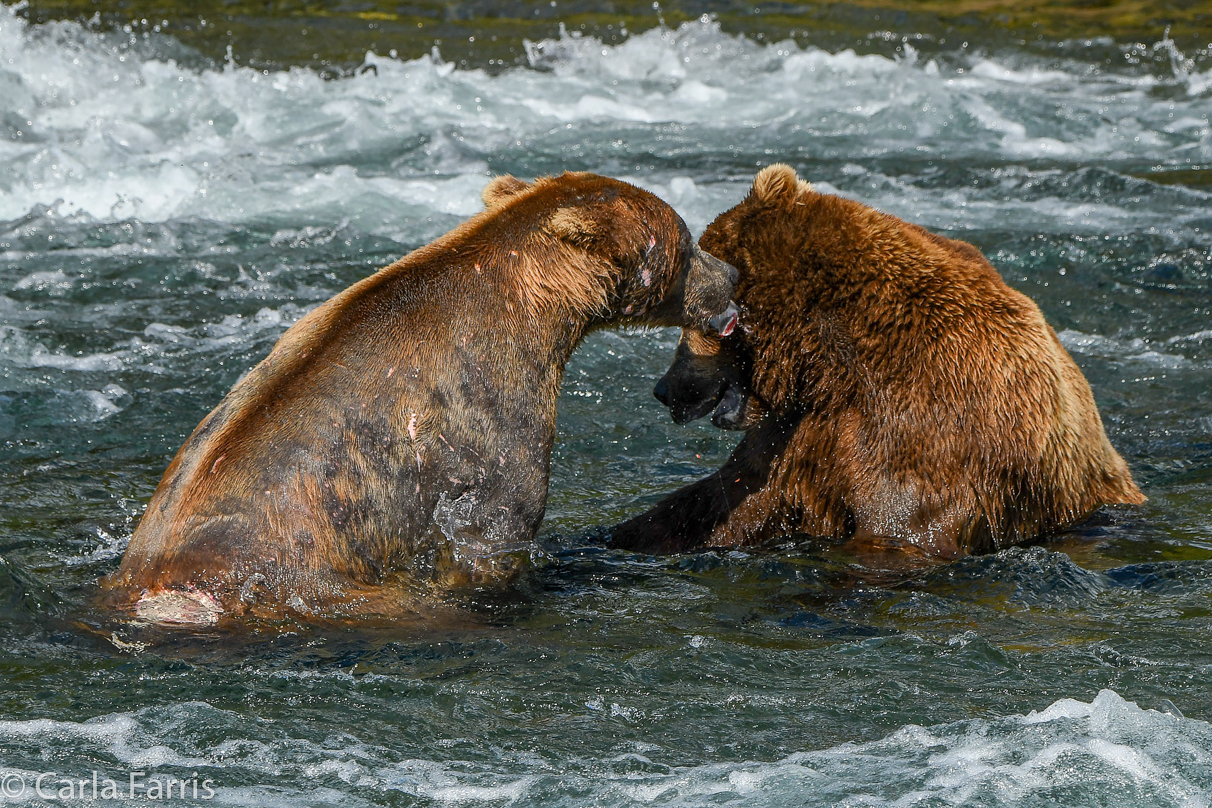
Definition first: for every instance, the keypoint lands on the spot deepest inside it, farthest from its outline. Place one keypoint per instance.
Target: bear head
(640, 265)
(722, 374)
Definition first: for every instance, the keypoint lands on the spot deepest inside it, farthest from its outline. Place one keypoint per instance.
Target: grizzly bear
(896, 395)
(395, 444)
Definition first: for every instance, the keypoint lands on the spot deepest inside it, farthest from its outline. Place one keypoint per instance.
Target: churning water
(163, 220)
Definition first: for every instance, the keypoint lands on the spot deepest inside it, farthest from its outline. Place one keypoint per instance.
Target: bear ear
(578, 226)
(778, 184)
(502, 189)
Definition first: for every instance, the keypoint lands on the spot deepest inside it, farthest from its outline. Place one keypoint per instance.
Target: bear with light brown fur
(395, 445)
(895, 393)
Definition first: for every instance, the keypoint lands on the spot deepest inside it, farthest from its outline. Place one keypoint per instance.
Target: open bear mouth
(725, 322)
(684, 413)
(729, 410)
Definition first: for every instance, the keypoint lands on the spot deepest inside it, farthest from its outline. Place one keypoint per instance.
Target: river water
(163, 219)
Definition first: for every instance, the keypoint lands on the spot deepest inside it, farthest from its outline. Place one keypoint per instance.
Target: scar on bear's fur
(395, 445)
(895, 393)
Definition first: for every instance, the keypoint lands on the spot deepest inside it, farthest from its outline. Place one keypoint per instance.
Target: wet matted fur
(895, 393)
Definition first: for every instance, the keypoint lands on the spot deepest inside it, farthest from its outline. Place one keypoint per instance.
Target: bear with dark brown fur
(395, 444)
(895, 393)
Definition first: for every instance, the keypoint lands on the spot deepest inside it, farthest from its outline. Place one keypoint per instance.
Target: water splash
(99, 129)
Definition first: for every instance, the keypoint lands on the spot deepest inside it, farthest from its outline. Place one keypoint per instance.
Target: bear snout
(709, 287)
(661, 391)
(716, 266)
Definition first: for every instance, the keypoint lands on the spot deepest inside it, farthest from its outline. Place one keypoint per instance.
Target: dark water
(161, 225)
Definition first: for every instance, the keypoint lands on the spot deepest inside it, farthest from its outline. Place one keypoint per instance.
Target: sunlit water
(163, 221)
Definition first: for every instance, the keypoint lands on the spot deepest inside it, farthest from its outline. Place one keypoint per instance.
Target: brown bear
(395, 444)
(895, 394)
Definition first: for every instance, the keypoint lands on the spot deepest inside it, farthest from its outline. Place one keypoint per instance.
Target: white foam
(1119, 350)
(1110, 748)
(112, 546)
(103, 401)
(1199, 83)
(987, 68)
(958, 208)
(147, 352)
(120, 735)
(54, 282)
(115, 135)
(18, 350)
(1065, 708)
(451, 784)
(1198, 336)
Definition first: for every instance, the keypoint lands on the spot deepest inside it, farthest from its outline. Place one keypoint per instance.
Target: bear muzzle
(688, 402)
(708, 297)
